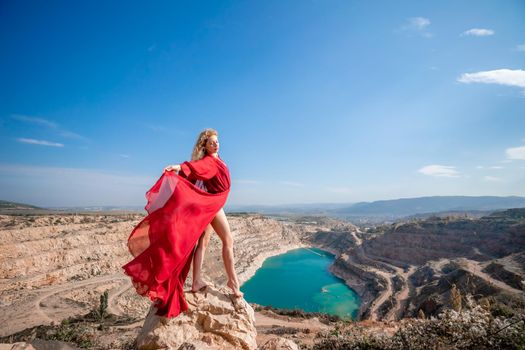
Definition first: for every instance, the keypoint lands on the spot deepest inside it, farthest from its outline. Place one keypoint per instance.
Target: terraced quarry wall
(56, 266)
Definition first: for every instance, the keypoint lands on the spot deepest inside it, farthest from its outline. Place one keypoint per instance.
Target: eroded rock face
(492, 236)
(214, 320)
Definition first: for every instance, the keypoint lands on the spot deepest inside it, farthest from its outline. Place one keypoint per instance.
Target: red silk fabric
(163, 242)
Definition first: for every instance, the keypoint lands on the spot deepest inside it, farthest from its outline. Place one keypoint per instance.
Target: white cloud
(492, 178)
(126, 156)
(516, 153)
(520, 47)
(293, 184)
(418, 22)
(34, 120)
(480, 167)
(499, 76)
(50, 125)
(418, 25)
(71, 135)
(496, 167)
(478, 32)
(439, 171)
(39, 142)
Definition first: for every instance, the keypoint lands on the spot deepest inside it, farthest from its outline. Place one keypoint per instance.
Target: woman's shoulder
(205, 158)
(220, 160)
(209, 159)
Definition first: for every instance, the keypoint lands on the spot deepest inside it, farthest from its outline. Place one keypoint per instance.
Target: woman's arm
(202, 169)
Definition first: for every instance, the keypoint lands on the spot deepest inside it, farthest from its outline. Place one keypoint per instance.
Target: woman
(178, 213)
(208, 144)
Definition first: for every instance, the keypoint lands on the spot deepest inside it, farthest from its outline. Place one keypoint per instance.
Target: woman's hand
(175, 167)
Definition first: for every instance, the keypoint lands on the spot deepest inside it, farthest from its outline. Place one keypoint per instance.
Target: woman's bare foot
(236, 291)
(198, 286)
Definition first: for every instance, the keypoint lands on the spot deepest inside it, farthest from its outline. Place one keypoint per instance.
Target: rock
(17, 346)
(39, 344)
(279, 344)
(213, 321)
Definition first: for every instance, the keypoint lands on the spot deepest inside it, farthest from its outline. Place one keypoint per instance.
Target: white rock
(214, 320)
(279, 344)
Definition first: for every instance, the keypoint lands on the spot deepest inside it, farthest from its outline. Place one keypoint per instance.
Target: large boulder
(279, 344)
(214, 320)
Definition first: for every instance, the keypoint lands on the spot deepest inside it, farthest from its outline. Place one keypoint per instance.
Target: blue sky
(314, 101)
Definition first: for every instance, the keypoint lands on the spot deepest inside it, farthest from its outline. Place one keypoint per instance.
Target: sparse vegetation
(82, 331)
(285, 330)
(473, 328)
(103, 306)
(70, 330)
(455, 298)
(325, 318)
(73, 332)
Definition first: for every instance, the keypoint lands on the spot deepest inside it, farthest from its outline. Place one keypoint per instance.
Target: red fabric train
(163, 242)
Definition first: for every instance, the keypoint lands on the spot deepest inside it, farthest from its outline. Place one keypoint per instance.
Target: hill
(421, 205)
(5, 205)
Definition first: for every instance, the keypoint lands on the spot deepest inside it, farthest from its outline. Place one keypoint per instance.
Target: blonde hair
(199, 150)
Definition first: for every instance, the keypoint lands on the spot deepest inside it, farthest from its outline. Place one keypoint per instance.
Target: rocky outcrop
(368, 284)
(482, 239)
(38, 251)
(334, 241)
(214, 320)
(256, 238)
(508, 270)
(279, 344)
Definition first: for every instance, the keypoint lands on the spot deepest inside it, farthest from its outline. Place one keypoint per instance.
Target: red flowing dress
(163, 242)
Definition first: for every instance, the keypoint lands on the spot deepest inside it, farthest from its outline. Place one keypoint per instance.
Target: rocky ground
(57, 266)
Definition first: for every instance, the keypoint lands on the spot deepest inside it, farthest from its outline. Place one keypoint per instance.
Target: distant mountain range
(384, 209)
(422, 205)
(395, 208)
(7, 207)
(311, 208)
(102, 208)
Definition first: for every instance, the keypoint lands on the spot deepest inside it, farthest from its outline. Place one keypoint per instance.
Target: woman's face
(212, 144)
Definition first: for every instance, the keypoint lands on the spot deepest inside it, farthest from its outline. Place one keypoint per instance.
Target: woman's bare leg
(221, 226)
(198, 257)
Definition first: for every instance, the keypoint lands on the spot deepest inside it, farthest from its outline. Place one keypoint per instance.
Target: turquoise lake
(300, 279)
